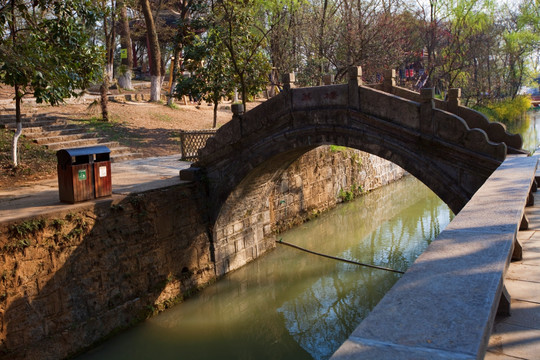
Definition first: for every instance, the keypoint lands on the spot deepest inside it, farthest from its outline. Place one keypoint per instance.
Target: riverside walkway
(518, 336)
(128, 177)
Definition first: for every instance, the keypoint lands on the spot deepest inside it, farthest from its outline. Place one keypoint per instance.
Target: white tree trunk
(110, 72)
(14, 147)
(124, 80)
(155, 88)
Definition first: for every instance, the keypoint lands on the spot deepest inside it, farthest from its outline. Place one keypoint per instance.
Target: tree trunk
(18, 98)
(174, 69)
(104, 98)
(109, 46)
(244, 94)
(155, 53)
(216, 103)
(124, 80)
(18, 121)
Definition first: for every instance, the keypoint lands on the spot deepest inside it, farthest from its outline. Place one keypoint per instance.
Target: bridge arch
(246, 154)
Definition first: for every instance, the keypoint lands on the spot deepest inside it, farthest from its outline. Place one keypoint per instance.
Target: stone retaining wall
(340, 174)
(70, 279)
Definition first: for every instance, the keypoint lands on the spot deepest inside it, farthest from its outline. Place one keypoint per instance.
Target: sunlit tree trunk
(154, 52)
(18, 132)
(124, 79)
(174, 68)
(18, 97)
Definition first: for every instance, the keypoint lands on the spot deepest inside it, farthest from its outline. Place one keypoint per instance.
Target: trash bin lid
(87, 150)
(65, 155)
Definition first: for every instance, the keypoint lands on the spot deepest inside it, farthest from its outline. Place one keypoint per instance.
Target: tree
(521, 39)
(211, 71)
(45, 51)
(241, 26)
(154, 50)
(190, 22)
(126, 54)
(109, 35)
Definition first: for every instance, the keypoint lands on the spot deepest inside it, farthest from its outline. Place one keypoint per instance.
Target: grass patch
(162, 117)
(336, 148)
(35, 162)
(112, 129)
(173, 106)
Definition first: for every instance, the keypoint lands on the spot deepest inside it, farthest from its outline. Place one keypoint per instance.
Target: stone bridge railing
(495, 131)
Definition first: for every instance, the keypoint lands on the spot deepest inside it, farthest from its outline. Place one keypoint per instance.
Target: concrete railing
(445, 304)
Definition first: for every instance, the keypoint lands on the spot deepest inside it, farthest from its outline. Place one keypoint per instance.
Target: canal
(529, 129)
(290, 304)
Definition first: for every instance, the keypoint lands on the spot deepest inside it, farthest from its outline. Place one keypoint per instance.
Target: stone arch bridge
(450, 148)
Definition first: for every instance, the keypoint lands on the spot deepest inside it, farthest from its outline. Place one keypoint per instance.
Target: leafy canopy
(45, 47)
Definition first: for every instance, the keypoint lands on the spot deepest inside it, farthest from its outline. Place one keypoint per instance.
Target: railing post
(454, 96)
(389, 80)
(237, 109)
(355, 80)
(288, 81)
(426, 110)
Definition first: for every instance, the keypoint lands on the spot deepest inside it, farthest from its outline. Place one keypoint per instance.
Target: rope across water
(280, 241)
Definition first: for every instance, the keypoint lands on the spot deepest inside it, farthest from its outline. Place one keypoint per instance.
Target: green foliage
(349, 195)
(19, 234)
(336, 148)
(242, 28)
(46, 49)
(507, 110)
(26, 228)
(210, 67)
(346, 195)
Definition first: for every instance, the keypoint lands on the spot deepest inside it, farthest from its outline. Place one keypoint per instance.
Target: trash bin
(84, 173)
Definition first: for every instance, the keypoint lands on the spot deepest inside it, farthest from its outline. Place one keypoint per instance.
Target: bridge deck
(518, 336)
(445, 304)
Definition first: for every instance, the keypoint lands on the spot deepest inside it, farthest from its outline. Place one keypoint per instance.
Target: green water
(529, 128)
(293, 305)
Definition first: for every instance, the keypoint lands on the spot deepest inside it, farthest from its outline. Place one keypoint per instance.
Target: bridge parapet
(495, 131)
(412, 134)
(402, 107)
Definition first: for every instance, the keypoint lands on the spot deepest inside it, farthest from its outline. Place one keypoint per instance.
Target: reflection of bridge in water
(450, 148)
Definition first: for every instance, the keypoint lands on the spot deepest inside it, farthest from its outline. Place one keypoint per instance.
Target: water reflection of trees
(389, 231)
(527, 127)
